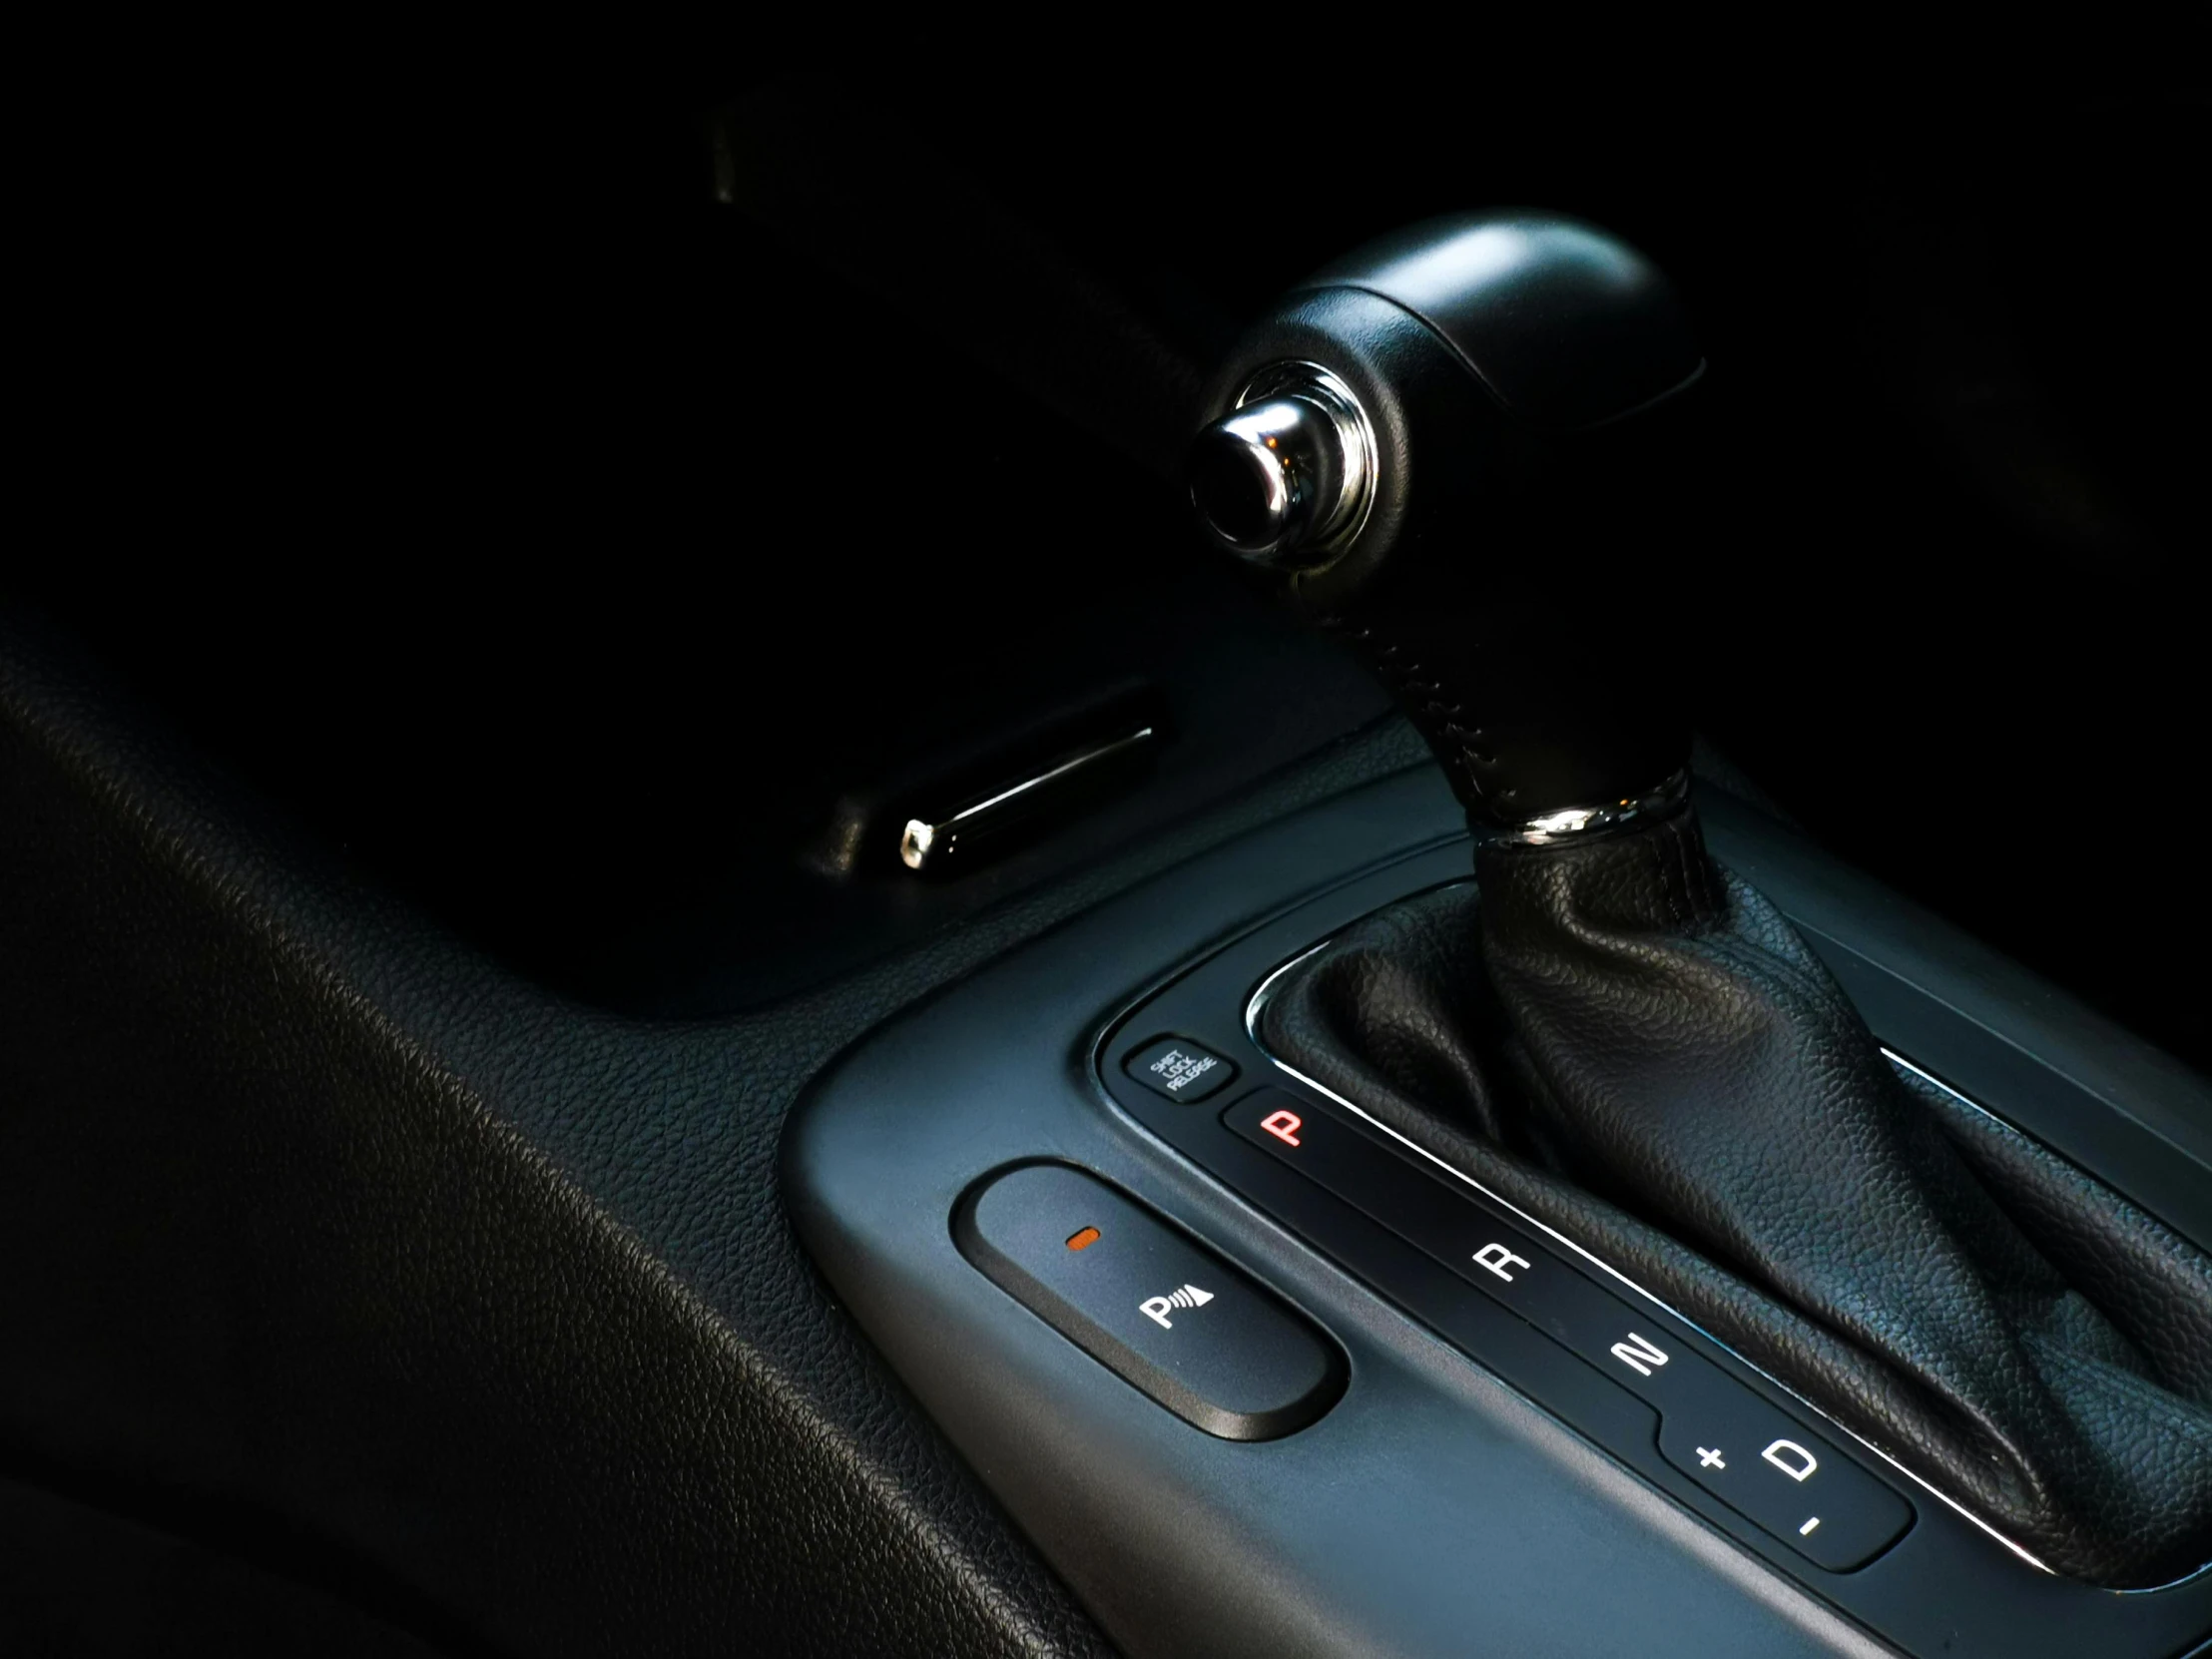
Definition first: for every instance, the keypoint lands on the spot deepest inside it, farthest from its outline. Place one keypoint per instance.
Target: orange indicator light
(1083, 1240)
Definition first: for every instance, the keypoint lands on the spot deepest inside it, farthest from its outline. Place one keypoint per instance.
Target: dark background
(560, 542)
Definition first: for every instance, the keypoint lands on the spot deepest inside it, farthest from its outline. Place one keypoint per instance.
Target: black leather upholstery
(1637, 1047)
(331, 1245)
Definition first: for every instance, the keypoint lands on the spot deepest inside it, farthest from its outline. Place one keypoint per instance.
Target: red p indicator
(1284, 1126)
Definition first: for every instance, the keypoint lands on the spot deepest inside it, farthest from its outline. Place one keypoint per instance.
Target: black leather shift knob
(1445, 365)
(1459, 446)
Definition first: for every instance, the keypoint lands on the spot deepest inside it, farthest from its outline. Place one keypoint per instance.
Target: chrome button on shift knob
(1285, 478)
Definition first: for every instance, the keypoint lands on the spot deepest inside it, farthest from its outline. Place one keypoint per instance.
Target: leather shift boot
(1635, 1046)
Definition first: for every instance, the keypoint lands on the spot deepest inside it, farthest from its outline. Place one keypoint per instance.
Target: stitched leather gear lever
(1617, 1035)
(1457, 444)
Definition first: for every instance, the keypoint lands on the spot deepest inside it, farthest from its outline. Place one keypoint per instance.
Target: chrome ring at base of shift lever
(1585, 822)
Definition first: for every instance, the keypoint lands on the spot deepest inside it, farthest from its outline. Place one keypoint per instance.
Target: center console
(1566, 1212)
(1528, 1453)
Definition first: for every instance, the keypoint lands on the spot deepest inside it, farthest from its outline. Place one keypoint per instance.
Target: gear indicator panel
(1513, 1294)
(1764, 1464)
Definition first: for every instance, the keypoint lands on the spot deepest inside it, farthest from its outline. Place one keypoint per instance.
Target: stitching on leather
(1699, 869)
(1406, 682)
(1697, 873)
(1684, 878)
(1660, 879)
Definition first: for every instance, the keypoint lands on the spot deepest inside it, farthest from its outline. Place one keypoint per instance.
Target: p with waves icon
(1157, 1307)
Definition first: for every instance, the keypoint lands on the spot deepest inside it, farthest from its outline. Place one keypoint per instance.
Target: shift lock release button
(1180, 1070)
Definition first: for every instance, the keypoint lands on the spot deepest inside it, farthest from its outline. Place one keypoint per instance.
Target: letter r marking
(1496, 1258)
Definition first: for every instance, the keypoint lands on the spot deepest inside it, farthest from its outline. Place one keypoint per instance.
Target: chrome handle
(928, 844)
(1285, 477)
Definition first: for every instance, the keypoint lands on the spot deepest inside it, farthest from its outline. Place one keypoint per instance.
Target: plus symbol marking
(1709, 1458)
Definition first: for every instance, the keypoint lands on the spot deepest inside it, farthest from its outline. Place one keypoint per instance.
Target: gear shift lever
(1456, 447)
(1446, 442)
